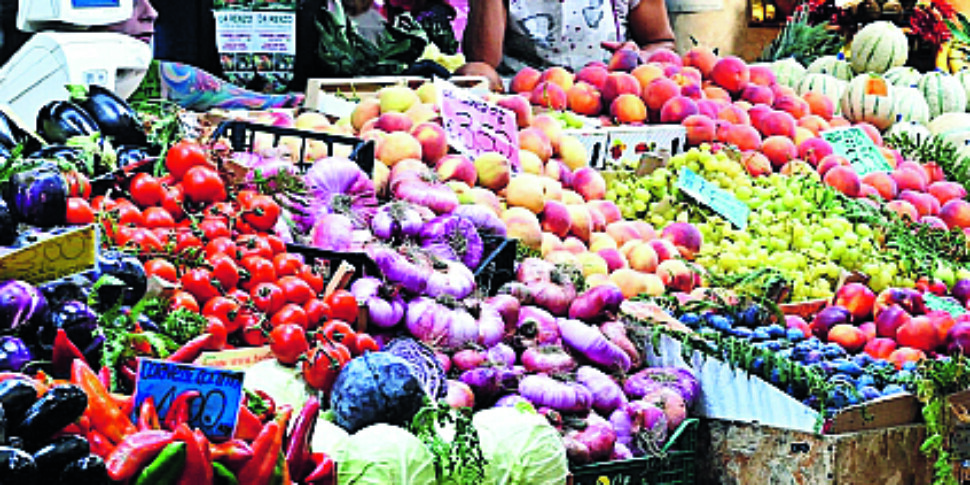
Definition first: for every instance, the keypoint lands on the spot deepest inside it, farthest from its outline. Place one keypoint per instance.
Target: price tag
(235, 359)
(52, 258)
(474, 126)
(853, 144)
(719, 200)
(216, 409)
(948, 305)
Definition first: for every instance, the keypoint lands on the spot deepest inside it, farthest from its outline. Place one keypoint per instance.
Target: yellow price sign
(53, 258)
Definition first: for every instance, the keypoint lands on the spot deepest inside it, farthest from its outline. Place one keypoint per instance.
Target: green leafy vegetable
(457, 460)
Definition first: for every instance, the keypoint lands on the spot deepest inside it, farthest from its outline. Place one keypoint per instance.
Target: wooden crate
(735, 453)
(323, 92)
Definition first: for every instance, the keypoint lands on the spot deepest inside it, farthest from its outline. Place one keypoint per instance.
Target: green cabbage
(327, 436)
(520, 447)
(284, 384)
(382, 454)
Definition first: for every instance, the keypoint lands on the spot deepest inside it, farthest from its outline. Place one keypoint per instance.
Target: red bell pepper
(64, 353)
(233, 453)
(178, 412)
(148, 415)
(324, 473)
(197, 470)
(105, 415)
(266, 452)
(192, 349)
(248, 426)
(99, 444)
(136, 451)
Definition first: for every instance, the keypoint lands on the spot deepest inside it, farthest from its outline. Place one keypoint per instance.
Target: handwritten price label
(853, 144)
(474, 126)
(948, 305)
(52, 258)
(216, 409)
(719, 200)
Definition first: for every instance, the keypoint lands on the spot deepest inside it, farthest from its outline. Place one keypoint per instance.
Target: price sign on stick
(474, 126)
(948, 305)
(216, 409)
(856, 146)
(719, 200)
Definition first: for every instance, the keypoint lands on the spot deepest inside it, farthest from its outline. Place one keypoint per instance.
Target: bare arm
(485, 32)
(197, 89)
(649, 25)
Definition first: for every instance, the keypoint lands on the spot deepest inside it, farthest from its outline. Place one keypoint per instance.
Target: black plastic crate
(362, 263)
(498, 264)
(675, 466)
(121, 177)
(242, 137)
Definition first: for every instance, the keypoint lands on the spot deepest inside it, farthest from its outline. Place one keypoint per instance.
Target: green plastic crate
(675, 467)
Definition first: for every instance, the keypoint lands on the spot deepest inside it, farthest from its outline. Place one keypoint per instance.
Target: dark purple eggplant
(89, 470)
(59, 121)
(76, 318)
(8, 225)
(126, 268)
(21, 305)
(112, 114)
(14, 354)
(16, 466)
(11, 134)
(66, 153)
(38, 197)
(128, 155)
(4, 153)
(74, 287)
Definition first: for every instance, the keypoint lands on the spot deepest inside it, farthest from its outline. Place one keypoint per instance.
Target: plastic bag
(382, 454)
(521, 448)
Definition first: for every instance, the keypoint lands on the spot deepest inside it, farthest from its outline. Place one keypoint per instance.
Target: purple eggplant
(14, 354)
(112, 114)
(77, 319)
(8, 225)
(126, 268)
(21, 305)
(38, 197)
(59, 121)
(11, 134)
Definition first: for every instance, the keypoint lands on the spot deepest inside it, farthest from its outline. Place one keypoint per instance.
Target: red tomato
(173, 200)
(203, 185)
(213, 228)
(78, 184)
(323, 364)
(275, 243)
(316, 312)
(186, 240)
(365, 343)
(225, 309)
(257, 270)
(184, 299)
(224, 270)
(78, 212)
(184, 155)
(290, 313)
(288, 342)
(238, 295)
(129, 214)
(146, 190)
(161, 268)
(221, 245)
(261, 212)
(267, 298)
(198, 282)
(221, 210)
(158, 217)
(253, 335)
(338, 332)
(140, 238)
(343, 305)
(253, 245)
(287, 264)
(313, 278)
(219, 333)
(244, 196)
(295, 289)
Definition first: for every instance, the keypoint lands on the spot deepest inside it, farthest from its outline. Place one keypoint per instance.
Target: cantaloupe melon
(788, 72)
(964, 78)
(878, 47)
(913, 131)
(953, 127)
(869, 98)
(943, 93)
(823, 84)
(909, 105)
(833, 65)
(903, 76)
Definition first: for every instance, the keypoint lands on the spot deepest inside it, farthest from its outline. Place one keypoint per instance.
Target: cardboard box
(336, 96)
(626, 145)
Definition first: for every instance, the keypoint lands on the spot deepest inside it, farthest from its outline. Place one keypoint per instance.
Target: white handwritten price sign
(719, 200)
(948, 305)
(474, 126)
(214, 411)
(856, 146)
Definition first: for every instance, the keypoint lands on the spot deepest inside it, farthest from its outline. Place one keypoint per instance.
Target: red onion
(593, 345)
(488, 383)
(576, 452)
(639, 426)
(385, 308)
(596, 304)
(338, 186)
(395, 221)
(598, 436)
(532, 270)
(672, 403)
(607, 395)
(550, 359)
(621, 452)
(536, 323)
(453, 238)
(491, 327)
(552, 297)
(459, 395)
(440, 325)
(419, 185)
(508, 307)
(543, 390)
(961, 291)
(443, 359)
(615, 330)
(455, 280)
(501, 354)
(648, 380)
(510, 401)
(411, 275)
(483, 218)
(333, 232)
(468, 359)
(519, 291)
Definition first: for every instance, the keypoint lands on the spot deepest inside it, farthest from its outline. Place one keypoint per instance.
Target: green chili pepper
(222, 475)
(277, 478)
(167, 466)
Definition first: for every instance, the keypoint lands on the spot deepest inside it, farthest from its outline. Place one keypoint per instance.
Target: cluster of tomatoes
(215, 245)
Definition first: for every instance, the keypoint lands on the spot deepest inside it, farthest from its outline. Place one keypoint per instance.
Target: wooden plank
(367, 87)
(885, 412)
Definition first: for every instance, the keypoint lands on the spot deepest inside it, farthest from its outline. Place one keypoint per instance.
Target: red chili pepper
(178, 412)
(204, 443)
(128, 373)
(136, 451)
(64, 353)
(324, 473)
(233, 453)
(298, 448)
(125, 403)
(106, 416)
(248, 426)
(192, 349)
(266, 452)
(99, 444)
(197, 470)
(148, 415)
(104, 375)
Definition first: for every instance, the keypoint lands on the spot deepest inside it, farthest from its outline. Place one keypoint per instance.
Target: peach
(613, 258)
(676, 109)
(664, 248)
(700, 129)
(839, 122)
(557, 170)
(643, 258)
(658, 92)
(581, 223)
(956, 213)
(365, 111)
(456, 167)
(909, 179)
(820, 104)
(903, 209)
(535, 140)
(558, 76)
(756, 115)
(717, 93)
(589, 183)
(556, 219)
(624, 60)
(843, 179)
(584, 99)
(692, 91)
(664, 55)
(743, 137)
(708, 108)
(494, 171)
(422, 112)
(522, 224)
(675, 275)
(756, 163)
(902, 355)
(427, 93)
(782, 90)
(851, 338)
(686, 238)
(918, 333)
(609, 210)
(551, 127)
(869, 329)
(644, 229)
(857, 298)
(797, 322)
(617, 84)
(799, 168)
(601, 240)
(434, 143)
(562, 257)
(831, 161)
(802, 135)
(552, 189)
(883, 183)
(946, 191)
(646, 73)
(397, 98)
(398, 146)
(934, 172)
(550, 243)
(779, 150)
(622, 232)
(871, 131)
(529, 162)
(778, 123)
(597, 222)
(925, 204)
(573, 152)
(762, 75)
(867, 191)
(813, 150)
(549, 95)
(592, 264)
(525, 190)
(731, 73)
(311, 121)
(630, 281)
(525, 80)
(574, 245)
(934, 222)
(702, 58)
(813, 123)
(593, 75)
(889, 319)
(734, 114)
(758, 94)
(721, 130)
(793, 105)
(880, 347)
(519, 105)
(628, 108)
